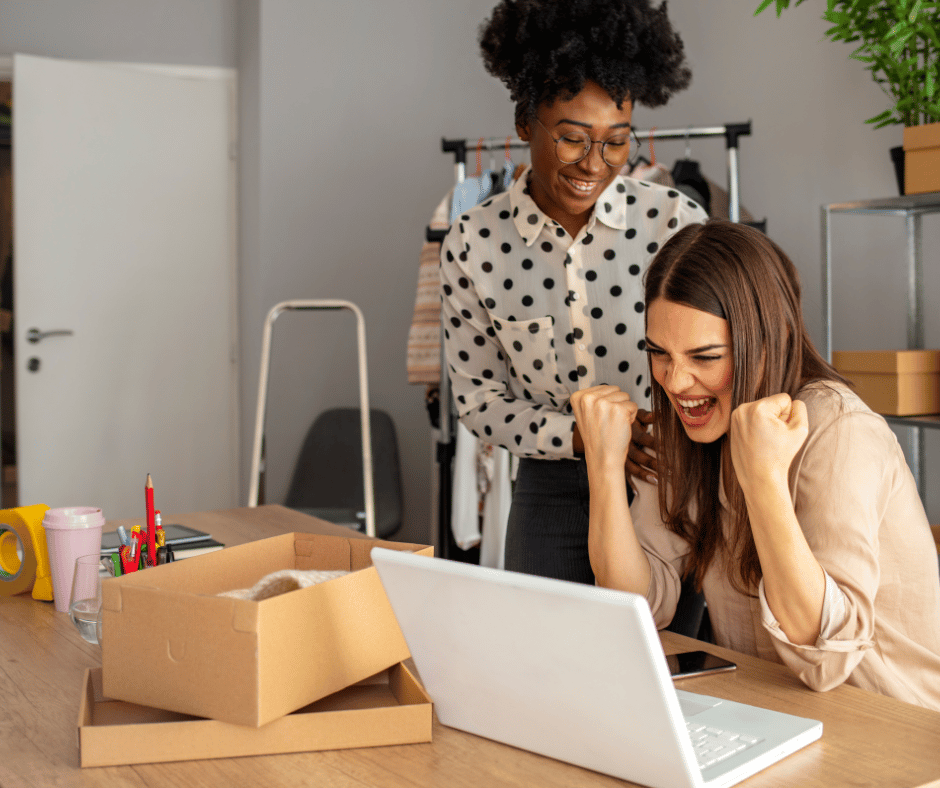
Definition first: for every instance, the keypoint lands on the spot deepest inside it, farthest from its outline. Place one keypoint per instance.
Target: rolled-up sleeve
(666, 552)
(841, 481)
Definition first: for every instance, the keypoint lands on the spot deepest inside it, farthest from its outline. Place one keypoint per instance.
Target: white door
(124, 235)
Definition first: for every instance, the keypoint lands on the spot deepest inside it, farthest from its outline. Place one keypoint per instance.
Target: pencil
(151, 524)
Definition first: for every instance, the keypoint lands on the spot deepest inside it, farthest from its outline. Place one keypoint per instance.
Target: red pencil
(151, 524)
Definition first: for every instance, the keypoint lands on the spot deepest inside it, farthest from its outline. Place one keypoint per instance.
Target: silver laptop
(571, 671)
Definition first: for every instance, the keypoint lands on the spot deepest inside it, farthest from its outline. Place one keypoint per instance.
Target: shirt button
(582, 347)
(574, 296)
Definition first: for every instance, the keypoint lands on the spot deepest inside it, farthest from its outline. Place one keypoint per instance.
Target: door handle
(34, 335)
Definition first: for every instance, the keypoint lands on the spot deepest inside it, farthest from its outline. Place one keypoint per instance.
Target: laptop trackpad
(692, 704)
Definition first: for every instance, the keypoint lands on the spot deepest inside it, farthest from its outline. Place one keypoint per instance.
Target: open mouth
(583, 187)
(698, 408)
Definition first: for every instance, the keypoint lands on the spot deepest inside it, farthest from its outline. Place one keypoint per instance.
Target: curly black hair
(546, 49)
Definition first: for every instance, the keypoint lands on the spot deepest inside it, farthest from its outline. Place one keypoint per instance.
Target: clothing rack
(459, 148)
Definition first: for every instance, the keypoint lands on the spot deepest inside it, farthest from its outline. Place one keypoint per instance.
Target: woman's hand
(605, 417)
(765, 436)
(639, 462)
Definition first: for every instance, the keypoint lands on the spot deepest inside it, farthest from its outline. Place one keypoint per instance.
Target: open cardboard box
(391, 708)
(169, 642)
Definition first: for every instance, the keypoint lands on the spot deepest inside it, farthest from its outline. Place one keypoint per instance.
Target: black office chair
(327, 479)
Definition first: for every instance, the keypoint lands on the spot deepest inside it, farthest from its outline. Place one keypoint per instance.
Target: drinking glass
(85, 601)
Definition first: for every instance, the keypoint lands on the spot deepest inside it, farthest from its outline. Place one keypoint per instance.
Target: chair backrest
(328, 471)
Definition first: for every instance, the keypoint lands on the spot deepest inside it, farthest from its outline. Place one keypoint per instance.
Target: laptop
(570, 671)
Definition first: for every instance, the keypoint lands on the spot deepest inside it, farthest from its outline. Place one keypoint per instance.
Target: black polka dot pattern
(532, 314)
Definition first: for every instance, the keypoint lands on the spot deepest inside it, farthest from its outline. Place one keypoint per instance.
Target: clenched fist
(605, 415)
(765, 436)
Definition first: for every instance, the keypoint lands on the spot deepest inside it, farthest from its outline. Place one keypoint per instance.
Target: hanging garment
(721, 204)
(651, 173)
(496, 509)
(472, 191)
(482, 495)
(424, 336)
(687, 177)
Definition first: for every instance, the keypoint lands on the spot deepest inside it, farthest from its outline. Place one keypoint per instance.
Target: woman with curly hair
(781, 494)
(541, 284)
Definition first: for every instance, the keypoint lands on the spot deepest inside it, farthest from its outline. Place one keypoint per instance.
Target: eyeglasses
(573, 146)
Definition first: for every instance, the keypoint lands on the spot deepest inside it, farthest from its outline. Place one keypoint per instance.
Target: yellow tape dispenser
(24, 557)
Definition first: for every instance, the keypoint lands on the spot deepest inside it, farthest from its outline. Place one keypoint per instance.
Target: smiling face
(691, 358)
(567, 192)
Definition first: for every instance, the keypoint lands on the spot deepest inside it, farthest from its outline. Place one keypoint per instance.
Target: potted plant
(899, 43)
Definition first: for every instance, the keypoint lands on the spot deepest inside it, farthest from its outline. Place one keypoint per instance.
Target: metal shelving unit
(912, 208)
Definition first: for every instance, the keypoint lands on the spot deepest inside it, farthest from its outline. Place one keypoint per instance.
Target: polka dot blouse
(531, 314)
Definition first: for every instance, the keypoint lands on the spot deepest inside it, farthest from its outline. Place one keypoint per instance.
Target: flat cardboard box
(922, 158)
(894, 382)
(169, 642)
(391, 708)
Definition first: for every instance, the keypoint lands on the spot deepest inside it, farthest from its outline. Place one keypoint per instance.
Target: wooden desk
(867, 739)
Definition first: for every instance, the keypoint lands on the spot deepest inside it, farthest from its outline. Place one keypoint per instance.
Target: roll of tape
(24, 560)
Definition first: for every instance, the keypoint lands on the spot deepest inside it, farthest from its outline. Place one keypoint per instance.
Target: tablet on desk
(176, 536)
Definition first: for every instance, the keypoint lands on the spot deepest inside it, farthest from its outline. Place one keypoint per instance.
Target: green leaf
(899, 44)
(882, 119)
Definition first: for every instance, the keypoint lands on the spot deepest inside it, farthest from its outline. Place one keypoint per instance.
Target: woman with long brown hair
(781, 494)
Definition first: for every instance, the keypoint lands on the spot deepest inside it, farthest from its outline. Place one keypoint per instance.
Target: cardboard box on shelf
(391, 708)
(170, 642)
(894, 382)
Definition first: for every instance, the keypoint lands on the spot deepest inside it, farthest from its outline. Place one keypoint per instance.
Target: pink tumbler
(70, 532)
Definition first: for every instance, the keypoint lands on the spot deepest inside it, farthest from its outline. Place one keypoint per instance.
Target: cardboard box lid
(890, 362)
(926, 135)
(390, 708)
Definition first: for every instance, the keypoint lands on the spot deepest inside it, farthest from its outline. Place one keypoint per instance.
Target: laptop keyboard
(712, 745)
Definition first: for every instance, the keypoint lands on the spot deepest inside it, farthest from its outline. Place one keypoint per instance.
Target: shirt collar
(610, 209)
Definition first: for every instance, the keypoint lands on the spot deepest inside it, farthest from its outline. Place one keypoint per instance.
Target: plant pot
(897, 159)
(922, 158)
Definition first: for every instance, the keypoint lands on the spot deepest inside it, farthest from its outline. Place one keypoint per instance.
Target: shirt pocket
(529, 346)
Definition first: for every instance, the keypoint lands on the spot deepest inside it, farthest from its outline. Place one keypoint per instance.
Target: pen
(151, 523)
(116, 564)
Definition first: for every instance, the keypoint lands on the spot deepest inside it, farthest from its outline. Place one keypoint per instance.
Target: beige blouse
(857, 503)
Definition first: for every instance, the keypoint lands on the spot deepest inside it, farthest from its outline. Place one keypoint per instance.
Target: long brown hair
(736, 273)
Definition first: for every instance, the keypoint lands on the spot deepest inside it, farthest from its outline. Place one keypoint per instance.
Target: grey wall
(342, 109)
